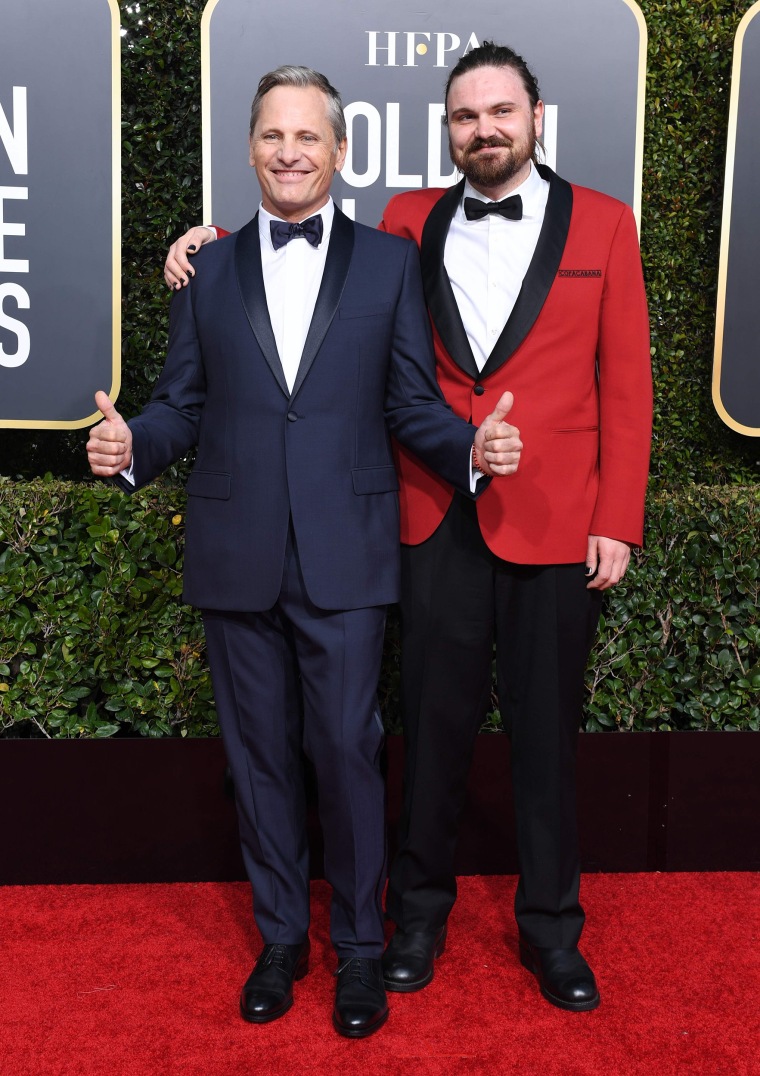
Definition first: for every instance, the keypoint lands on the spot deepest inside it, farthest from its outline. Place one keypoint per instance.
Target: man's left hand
(608, 558)
(497, 444)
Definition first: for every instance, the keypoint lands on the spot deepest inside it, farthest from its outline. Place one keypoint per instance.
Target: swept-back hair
(303, 78)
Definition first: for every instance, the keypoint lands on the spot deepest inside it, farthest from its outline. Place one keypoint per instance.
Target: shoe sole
(417, 984)
(277, 1013)
(362, 1032)
(560, 1003)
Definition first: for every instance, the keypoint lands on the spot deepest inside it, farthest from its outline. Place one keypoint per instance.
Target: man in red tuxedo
(535, 285)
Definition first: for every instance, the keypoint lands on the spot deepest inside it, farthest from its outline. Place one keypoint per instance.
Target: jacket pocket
(374, 479)
(209, 484)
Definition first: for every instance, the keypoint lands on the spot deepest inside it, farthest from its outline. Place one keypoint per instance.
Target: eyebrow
(279, 131)
(489, 108)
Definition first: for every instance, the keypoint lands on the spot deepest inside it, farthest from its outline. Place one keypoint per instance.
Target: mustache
(488, 143)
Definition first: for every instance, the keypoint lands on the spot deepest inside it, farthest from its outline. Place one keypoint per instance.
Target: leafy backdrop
(93, 641)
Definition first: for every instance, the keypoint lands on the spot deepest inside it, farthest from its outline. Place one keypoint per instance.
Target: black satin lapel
(541, 273)
(439, 294)
(333, 282)
(254, 297)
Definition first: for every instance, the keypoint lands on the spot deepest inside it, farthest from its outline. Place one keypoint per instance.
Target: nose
(289, 150)
(485, 126)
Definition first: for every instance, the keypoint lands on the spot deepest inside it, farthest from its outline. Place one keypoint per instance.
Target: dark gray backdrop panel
(62, 54)
(585, 55)
(739, 386)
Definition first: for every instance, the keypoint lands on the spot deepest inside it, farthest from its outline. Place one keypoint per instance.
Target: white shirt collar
(327, 212)
(532, 190)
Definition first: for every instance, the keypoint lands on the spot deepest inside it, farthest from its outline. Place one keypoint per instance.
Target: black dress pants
(457, 598)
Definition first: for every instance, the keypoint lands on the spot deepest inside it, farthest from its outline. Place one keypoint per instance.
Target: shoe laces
(277, 955)
(352, 968)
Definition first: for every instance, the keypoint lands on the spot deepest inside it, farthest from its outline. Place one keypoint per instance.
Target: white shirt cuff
(129, 473)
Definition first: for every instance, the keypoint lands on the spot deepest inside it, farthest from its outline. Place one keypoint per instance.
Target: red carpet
(144, 980)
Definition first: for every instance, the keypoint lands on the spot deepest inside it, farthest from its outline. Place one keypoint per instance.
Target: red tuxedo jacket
(575, 353)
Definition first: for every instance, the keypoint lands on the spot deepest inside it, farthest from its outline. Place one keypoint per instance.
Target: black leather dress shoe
(565, 978)
(409, 959)
(268, 991)
(360, 1003)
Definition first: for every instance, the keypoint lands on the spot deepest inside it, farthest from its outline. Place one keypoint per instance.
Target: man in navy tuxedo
(302, 346)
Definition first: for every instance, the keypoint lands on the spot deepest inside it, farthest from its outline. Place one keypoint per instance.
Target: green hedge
(94, 640)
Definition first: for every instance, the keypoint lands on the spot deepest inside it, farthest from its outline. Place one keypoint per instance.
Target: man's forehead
(501, 85)
(295, 99)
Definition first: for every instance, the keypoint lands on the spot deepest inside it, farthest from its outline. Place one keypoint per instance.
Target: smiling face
(294, 153)
(493, 128)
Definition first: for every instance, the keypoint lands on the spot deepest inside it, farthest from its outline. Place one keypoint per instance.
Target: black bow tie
(511, 208)
(310, 230)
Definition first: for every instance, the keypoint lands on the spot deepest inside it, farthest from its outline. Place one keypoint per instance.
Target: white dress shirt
(292, 277)
(486, 261)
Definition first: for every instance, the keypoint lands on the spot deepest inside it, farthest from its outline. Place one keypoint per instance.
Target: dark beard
(492, 171)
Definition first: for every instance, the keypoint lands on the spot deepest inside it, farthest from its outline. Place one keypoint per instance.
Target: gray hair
(303, 78)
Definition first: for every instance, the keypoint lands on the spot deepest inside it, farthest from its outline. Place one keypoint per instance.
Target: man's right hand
(497, 443)
(109, 449)
(177, 269)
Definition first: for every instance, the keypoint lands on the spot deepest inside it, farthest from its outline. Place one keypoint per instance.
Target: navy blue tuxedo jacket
(320, 455)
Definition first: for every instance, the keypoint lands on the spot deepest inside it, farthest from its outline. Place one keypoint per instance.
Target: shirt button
(479, 390)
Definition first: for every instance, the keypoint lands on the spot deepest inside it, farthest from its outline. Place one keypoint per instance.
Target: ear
(250, 152)
(340, 155)
(538, 118)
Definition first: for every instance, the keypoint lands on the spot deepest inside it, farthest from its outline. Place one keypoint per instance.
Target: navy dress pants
(296, 678)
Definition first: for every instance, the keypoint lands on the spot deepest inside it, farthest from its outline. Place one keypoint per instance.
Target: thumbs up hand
(109, 448)
(497, 445)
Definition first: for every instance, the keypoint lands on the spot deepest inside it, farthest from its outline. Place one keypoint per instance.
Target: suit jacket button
(292, 416)
(478, 390)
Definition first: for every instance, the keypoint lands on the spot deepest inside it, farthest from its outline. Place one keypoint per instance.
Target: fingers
(503, 464)
(606, 562)
(502, 461)
(502, 437)
(102, 471)
(502, 448)
(592, 559)
(177, 269)
(106, 466)
(106, 454)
